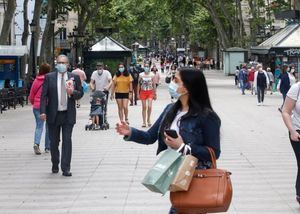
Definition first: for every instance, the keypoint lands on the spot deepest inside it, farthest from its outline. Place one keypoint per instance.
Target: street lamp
(33, 29)
(76, 40)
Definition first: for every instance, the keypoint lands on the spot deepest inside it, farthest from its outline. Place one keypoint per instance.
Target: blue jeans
(243, 86)
(39, 130)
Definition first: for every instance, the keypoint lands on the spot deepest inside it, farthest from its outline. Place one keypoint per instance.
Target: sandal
(149, 124)
(144, 125)
(126, 120)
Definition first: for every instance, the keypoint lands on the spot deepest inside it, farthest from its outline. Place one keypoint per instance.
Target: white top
(146, 81)
(176, 122)
(293, 93)
(101, 81)
(292, 79)
(59, 76)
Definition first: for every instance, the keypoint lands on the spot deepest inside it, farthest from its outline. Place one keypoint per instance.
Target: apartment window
(63, 34)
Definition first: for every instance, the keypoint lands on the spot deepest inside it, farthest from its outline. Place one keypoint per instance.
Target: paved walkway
(107, 171)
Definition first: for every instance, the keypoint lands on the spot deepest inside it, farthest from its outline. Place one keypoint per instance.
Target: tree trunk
(25, 35)
(235, 29)
(253, 10)
(241, 23)
(36, 35)
(223, 37)
(47, 36)
(8, 17)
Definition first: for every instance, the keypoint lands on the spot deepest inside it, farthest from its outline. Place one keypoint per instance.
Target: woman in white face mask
(147, 93)
(122, 91)
(191, 117)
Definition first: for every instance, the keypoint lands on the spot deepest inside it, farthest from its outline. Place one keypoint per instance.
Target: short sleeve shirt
(122, 83)
(146, 81)
(293, 93)
(101, 81)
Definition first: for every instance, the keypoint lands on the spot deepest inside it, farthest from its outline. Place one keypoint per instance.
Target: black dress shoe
(67, 173)
(55, 169)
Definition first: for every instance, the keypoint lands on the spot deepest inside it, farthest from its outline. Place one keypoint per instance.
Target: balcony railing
(63, 44)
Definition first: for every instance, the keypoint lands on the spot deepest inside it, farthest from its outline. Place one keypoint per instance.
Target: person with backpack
(243, 78)
(261, 81)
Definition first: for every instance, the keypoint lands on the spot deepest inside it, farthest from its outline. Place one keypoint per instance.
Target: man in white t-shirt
(100, 79)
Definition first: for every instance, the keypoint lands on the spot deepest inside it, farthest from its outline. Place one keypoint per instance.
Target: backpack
(261, 80)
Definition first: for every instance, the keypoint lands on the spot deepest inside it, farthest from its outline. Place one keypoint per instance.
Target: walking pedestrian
(277, 76)
(122, 91)
(243, 78)
(60, 90)
(134, 72)
(291, 73)
(236, 76)
(79, 71)
(191, 116)
(35, 100)
(251, 78)
(283, 84)
(291, 118)
(171, 75)
(147, 89)
(156, 75)
(261, 81)
(271, 79)
(101, 80)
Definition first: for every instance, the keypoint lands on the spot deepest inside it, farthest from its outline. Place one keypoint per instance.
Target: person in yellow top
(122, 91)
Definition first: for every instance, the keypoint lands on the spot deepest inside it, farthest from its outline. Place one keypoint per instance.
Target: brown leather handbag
(210, 191)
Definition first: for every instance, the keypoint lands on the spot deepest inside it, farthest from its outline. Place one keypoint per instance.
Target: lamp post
(76, 40)
(33, 29)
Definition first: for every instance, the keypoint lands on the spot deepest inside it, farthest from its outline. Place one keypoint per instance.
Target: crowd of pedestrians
(55, 95)
(259, 79)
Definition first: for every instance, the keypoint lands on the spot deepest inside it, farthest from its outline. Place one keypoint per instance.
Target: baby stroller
(98, 111)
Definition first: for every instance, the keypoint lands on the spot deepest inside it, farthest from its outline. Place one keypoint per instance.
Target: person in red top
(251, 78)
(35, 98)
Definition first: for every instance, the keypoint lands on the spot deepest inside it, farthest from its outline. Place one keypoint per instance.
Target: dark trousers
(54, 135)
(260, 94)
(296, 148)
(134, 94)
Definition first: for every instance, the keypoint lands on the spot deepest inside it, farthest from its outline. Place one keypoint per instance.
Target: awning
(287, 37)
(7, 50)
(109, 44)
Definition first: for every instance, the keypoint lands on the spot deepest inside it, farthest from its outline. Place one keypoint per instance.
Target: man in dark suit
(60, 90)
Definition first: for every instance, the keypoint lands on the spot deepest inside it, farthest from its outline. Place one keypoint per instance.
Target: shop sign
(292, 52)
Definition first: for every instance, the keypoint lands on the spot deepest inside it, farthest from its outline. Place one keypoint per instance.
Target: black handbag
(168, 79)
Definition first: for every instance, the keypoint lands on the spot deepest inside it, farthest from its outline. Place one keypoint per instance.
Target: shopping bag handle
(213, 157)
(187, 149)
(180, 148)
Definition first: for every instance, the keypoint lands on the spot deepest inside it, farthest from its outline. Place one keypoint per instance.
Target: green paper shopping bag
(161, 175)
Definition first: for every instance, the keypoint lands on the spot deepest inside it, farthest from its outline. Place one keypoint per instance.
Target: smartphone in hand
(172, 133)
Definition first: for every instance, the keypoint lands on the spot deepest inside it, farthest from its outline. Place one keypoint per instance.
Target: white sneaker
(258, 104)
(261, 103)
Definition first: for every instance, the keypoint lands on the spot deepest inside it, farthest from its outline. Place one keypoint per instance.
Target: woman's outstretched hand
(123, 128)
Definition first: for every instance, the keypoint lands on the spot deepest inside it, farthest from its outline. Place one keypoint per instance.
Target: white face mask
(173, 90)
(61, 68)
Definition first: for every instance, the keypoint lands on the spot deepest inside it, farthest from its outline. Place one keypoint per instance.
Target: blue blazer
(196, 130)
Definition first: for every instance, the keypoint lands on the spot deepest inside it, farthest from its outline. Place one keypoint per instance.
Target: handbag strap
(213, 157)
